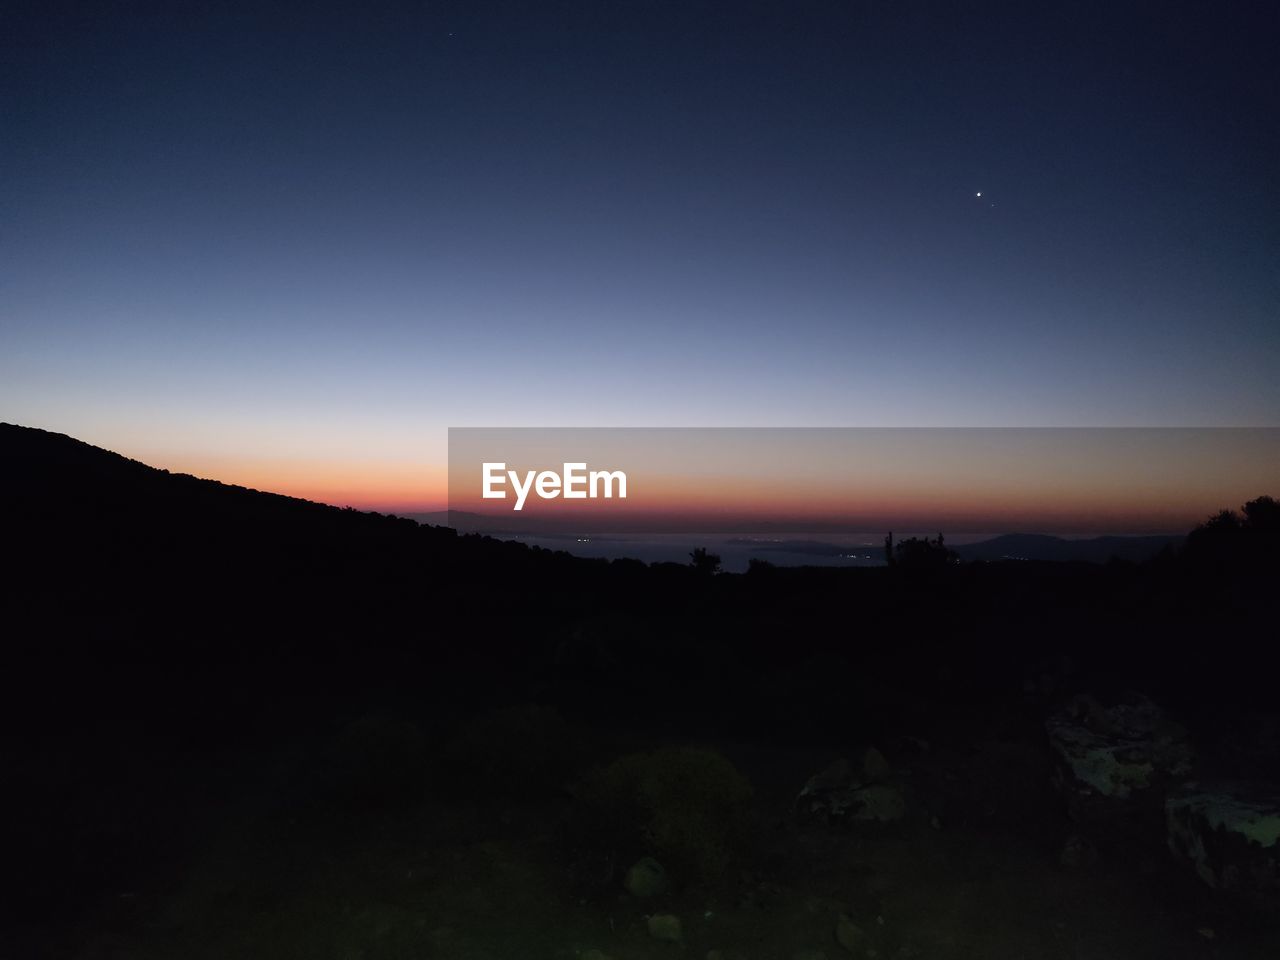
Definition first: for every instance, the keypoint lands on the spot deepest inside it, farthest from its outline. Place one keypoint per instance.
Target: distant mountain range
(1036, 546)
(1009, 546)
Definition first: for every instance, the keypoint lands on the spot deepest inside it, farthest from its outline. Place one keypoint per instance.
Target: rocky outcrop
(1116, 759)
(1229, 832)
(645, 878)
(665, 927)
(858, 790)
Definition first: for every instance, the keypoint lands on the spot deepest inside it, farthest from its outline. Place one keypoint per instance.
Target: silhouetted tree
(917, 553)
(888, 549)
(1232, 540)
(1262, 516)
(704, 562)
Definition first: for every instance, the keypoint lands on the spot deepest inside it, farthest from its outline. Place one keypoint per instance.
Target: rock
(880, 802)
(834, 776)
(849, 935)
(1115, 760)
(665, 927)
(646, 878)
(1229, 832)
(840, 792)
(827, 793)
(594, 955)
(809, 955)
(875, 768)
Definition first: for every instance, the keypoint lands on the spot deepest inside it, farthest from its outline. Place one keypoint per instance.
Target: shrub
(687, 806)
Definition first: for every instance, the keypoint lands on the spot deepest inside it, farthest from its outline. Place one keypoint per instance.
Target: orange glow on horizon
(384, 486)
(952, 481)
(963, 481)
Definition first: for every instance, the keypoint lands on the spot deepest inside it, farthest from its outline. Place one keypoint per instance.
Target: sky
(289, 246)
(1074, 481)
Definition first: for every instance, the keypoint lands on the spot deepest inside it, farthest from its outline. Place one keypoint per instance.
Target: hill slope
(54, 480)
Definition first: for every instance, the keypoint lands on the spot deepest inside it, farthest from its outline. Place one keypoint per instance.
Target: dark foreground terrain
(241, 725)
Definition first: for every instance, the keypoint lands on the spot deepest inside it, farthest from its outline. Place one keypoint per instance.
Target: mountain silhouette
(1033, 546)
(50, 481)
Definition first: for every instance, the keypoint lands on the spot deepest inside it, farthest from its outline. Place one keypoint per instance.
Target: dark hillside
(175, 649)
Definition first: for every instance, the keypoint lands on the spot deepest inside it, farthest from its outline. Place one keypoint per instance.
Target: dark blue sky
(325, 233)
